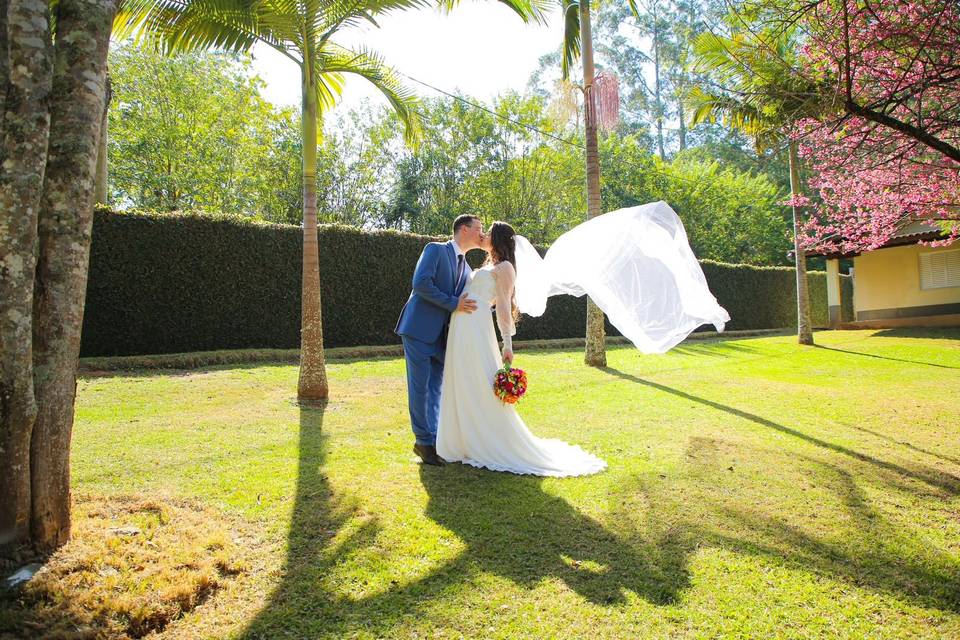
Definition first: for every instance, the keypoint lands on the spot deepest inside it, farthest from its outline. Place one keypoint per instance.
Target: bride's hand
(508, 356)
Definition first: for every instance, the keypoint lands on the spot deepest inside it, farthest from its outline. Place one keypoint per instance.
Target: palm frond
(282, 20)
(732, 112)
(571, 36)
(528, 10)
(327, 17)
(755, 88)
(333, 58)
(182, 25)
(329, 87)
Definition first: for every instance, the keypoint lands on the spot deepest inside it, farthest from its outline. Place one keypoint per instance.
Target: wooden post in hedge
(312, 387)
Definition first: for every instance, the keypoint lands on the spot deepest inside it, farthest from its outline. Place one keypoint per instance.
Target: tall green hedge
(765, 297)
(166, 283)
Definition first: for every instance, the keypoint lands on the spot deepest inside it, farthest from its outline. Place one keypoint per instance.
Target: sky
(480, 48)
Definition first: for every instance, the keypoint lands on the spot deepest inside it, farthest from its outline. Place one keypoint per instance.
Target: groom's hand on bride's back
(466, 305)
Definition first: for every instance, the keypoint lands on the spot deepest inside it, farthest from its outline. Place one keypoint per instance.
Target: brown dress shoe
(428, 454)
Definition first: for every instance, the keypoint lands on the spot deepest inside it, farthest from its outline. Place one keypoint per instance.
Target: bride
(475, 427)
(634, 263)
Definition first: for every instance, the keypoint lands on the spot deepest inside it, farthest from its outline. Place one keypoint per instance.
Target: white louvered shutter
(940, 269)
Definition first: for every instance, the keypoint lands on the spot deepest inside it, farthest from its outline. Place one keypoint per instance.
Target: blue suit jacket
(427, 311)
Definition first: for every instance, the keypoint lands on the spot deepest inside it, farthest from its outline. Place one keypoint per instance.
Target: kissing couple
(634, 263)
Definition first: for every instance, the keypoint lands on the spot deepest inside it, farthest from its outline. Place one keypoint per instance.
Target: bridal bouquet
(510, 384)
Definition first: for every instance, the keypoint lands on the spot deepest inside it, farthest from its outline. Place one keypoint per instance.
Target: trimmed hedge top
(179, 282)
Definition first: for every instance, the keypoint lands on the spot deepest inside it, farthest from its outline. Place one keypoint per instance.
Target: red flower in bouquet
(510, 384)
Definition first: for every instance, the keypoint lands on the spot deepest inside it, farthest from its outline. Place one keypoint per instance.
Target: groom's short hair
(463, 221)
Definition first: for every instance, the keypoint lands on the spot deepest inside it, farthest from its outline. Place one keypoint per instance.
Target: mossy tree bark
(25, 81)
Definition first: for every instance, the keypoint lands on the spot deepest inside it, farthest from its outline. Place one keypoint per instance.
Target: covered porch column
(833, 291)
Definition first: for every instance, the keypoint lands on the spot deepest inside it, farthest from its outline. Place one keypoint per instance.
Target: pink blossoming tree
(890, 152)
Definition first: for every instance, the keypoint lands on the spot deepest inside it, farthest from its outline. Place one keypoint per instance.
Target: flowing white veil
(636, 265)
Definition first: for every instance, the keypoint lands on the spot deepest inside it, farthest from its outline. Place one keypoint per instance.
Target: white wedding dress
(475, 427)
(635, 264)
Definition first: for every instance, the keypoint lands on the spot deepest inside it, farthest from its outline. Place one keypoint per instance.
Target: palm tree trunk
(595, 354)
(312, 388)
(64, 229)
(25, 48)
(804, 331)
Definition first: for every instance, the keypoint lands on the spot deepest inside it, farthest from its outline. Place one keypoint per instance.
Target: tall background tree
(889, 153)
(512, 159)
(748, 90)
(302, 32)
(883, 148)
(578, 43)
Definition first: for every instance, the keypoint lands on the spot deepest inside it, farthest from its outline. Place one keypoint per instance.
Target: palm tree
(301, 30)
(578, 43)
(761, 92)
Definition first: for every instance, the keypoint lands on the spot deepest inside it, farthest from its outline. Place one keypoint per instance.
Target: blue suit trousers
(424, 378)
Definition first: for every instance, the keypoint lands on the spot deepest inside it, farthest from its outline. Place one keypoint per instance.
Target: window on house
(940, 269)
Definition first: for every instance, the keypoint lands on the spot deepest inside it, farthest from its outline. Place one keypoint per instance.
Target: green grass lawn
(756, 489)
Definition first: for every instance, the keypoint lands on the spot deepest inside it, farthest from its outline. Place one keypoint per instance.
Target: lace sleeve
(505, 277)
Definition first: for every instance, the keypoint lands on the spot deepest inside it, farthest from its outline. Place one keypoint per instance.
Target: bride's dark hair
(503, 246)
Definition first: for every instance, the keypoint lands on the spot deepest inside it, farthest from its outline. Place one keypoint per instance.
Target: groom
(438, 282)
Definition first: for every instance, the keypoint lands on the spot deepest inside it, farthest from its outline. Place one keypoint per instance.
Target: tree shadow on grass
(868, 550)
(513, 528)
(837, 532)
(509, 527)
(877, 357)
(908, 445)
(717, 348)
(933, 333)
(314, 542)
(944, 482)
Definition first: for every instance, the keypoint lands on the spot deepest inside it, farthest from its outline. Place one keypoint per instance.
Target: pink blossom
(870, 179)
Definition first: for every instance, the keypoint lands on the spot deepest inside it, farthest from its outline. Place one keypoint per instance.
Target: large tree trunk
(65, 221)
(312, 387)
(4, 56)
(804, 331)
(26, 80)
(595, 353)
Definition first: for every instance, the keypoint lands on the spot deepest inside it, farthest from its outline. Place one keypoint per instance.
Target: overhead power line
(532, 128)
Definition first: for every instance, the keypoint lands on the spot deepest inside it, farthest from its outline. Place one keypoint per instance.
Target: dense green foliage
(165, 282)
(191, 132)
